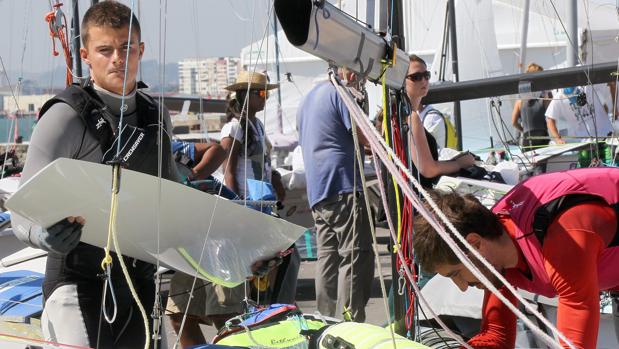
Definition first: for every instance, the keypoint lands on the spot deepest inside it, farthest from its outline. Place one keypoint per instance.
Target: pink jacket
(522, 202)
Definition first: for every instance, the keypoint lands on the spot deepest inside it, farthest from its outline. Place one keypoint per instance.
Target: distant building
(208, 76)
(28, 104)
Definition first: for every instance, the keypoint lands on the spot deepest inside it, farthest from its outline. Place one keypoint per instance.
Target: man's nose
(119, 57)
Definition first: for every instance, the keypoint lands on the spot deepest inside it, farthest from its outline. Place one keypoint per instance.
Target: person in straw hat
(213, 304)
(244, 137)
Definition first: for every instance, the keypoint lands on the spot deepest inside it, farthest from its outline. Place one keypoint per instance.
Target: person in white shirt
(249, 158)
(582, 111)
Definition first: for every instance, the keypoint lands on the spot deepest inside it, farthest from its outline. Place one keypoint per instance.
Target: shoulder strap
(545, 214)
(75, 96)
(147, 109)
(91, 110)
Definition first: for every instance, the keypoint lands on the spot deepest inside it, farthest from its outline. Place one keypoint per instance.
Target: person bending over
(553, 234)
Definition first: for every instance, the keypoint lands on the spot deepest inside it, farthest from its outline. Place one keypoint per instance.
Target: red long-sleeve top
(571, 249)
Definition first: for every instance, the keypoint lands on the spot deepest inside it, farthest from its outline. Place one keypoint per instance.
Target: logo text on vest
(134, 146)
(100, 123)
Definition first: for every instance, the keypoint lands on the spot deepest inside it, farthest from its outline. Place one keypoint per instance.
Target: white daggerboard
(238, 236)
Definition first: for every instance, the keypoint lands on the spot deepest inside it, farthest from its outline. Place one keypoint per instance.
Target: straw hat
(253, 80)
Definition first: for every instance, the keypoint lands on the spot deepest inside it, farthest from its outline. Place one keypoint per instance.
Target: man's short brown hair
(467, 215)
(110, 14)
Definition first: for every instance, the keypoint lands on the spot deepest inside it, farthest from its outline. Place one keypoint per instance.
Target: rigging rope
(116, 171)
(410, 273)
(59, 30)
(157, 312)
(348, 101)
(384, 152)
(16, 100)
(218, 198)
(14, 124)
(368, 211)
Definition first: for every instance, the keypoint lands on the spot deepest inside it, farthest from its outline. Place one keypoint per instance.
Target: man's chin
(116, 86)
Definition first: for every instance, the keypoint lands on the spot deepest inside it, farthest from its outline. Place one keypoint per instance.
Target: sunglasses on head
(419, 76)
(260, 93)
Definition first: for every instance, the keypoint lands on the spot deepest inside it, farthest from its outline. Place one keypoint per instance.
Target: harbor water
(25, 126)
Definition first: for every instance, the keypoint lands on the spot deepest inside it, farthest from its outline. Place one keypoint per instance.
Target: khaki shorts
(208, 298)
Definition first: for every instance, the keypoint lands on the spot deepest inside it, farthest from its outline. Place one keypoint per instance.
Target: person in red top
(554, 235)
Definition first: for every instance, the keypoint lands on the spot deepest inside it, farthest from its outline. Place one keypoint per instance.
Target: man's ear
(475, 240)
(84, 55)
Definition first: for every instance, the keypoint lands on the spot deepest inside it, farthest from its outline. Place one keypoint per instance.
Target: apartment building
(207, 76)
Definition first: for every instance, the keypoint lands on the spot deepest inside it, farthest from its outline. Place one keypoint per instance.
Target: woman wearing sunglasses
(424, 148)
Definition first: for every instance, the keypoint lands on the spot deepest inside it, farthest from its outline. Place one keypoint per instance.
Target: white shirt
(434, 123)
(248, 167)
(583, 122)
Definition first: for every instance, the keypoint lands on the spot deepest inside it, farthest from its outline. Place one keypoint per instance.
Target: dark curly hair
(467, 215)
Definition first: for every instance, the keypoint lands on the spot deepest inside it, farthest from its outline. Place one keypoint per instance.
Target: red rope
(61, 33)
(406, 224)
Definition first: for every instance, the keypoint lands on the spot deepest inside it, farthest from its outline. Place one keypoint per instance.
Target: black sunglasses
(419, 75)
(260, 93)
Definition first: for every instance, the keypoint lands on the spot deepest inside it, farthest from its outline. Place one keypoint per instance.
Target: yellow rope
(108, 258)
(395, 186)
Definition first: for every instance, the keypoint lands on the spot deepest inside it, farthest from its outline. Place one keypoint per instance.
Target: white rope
(407, 270)
(210, 224)
(134, 294)
(351, 107)
(574, 43)
(357, 162)
(372, 228)
(157, 313)
(394, 166)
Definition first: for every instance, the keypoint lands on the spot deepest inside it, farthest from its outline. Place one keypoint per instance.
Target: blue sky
(195, 28)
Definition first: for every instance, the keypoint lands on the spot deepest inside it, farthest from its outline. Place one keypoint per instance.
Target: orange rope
(60, 32)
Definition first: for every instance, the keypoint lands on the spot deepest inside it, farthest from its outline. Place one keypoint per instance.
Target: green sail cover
(280, 334)
(286, 334)
(363, 336)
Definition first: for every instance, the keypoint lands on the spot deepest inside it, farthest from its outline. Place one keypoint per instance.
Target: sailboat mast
(75, 29)
(524, 31)
(571, 51)
(453, 42)
(280, 123)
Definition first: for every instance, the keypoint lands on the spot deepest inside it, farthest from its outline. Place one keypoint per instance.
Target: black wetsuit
(73, 126)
